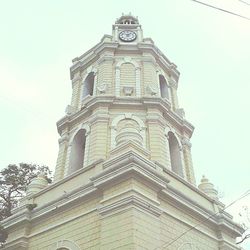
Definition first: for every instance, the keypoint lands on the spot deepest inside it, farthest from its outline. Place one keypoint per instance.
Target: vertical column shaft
(117, 81)
(138, 81)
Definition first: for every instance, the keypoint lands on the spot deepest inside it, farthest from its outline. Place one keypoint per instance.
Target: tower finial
(208, 188)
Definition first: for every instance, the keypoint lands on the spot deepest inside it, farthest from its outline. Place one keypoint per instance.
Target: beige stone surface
(125, 193)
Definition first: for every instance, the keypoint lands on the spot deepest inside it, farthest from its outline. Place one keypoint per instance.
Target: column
(188, 160)
(60, 165)
(174, 98)
(138, 81)
(95, 84)
(76, 92)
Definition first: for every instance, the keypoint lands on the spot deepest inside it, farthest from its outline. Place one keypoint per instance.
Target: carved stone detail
(102, 88)
(128, 90)
(152, 90)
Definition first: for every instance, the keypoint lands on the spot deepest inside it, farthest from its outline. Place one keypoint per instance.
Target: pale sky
(210, 48)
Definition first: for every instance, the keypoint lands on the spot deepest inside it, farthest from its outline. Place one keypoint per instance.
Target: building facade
(124, 177)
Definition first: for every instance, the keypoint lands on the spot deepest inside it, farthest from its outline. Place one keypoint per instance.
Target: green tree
(14, 180)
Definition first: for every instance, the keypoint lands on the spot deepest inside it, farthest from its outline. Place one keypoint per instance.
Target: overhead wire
(220, 9)
(168, 244)
(244, 2)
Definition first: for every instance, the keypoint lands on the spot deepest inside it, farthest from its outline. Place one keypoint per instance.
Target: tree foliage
(14, 180)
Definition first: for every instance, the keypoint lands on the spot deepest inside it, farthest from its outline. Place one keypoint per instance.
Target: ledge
(127, 203)
(137, 102)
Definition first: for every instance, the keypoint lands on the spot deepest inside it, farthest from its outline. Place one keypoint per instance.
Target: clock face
(127, 36)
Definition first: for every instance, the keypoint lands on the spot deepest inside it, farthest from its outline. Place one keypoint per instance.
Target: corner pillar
(188, 160)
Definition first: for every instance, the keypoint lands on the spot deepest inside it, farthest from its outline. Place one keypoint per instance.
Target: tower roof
(127, 19)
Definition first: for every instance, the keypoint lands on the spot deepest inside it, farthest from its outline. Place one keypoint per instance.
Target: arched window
(77, 151)
(175, 156)
(88, 84)
(163, 87)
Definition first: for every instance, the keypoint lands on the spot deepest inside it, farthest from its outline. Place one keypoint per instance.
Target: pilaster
(138, 81)
(117, 80)
(76, 90)
(188, 160)
(157, 142)
(60, 164)
(174, 97)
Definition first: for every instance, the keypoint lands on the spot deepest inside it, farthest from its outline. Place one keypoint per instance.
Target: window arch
(188, 246)
(127, 78)
(77, 154)
(175, 155)
(163, 87)
(64, 245)
(88, 85)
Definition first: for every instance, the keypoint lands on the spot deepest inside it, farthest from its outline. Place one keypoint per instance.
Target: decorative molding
(172, 130)
(152, 90)
(131, 116)
(64, 244)
(137, 76)
(70, 109)
(64, 138)
(119, 102)
(132, 201)
(128, 90)
(129, 163)
(192, 207)
(20, 243)
(84, 126)
(186, 142)
(188, 246)
(102, 88)
(180, 112)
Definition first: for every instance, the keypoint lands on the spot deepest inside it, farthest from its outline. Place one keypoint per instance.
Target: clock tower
(127, 29)
(124, 176)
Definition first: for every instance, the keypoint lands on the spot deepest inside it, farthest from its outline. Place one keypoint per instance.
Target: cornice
(95, 52)
(191, 186)
(17, 244)
(68, 178)
(127, 164)
(218, 220)
(92, 54)
(131, 201)
(226, 224)
(137, 102)
(20, 218)
(64, 201)
(161, 59)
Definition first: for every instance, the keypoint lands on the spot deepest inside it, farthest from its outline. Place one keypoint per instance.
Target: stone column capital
(186, 143)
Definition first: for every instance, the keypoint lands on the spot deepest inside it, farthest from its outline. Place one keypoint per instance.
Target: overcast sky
(210, 48)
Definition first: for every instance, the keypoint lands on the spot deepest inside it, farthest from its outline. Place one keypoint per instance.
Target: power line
(244, 2)
(223, 10)
(166, 245)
